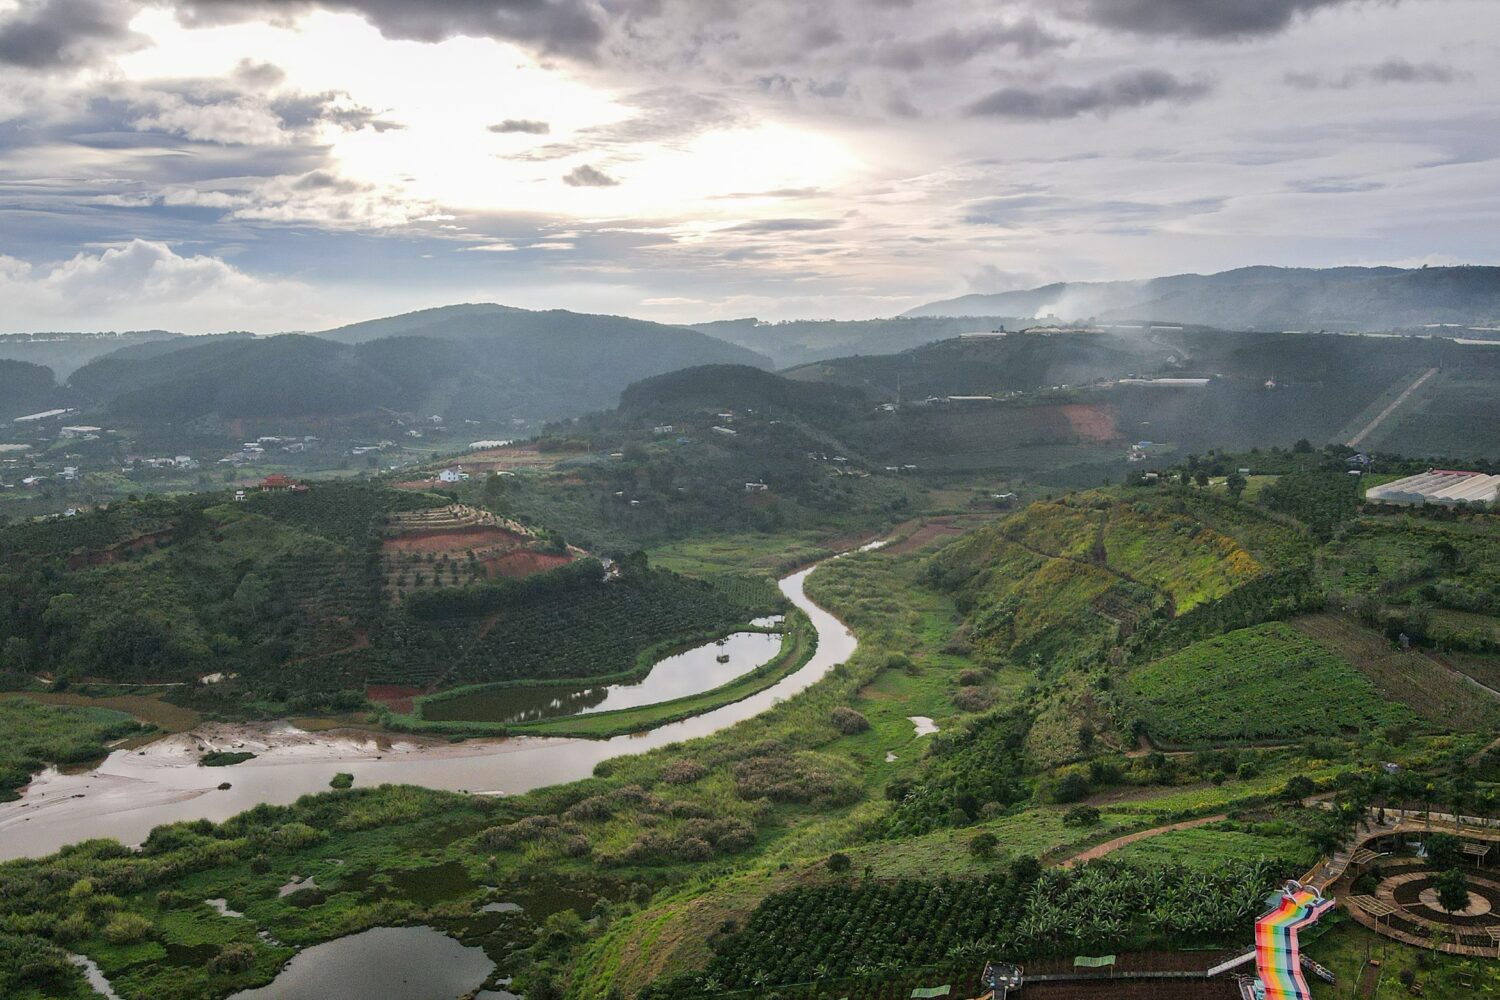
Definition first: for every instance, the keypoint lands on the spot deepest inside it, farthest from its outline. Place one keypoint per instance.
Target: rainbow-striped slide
(1278, 960)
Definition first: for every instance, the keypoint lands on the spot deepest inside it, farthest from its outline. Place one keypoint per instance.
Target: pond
(385, 963)
(132, 792)
(693, 671)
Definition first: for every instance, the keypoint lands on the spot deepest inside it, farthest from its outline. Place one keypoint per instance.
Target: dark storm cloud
(1210, 19)
(587, 176)
(48, 34)
(1131, 89)
(1393, 70)
(527, 126)
(1025, 37)
(783, 226)
(566, 27)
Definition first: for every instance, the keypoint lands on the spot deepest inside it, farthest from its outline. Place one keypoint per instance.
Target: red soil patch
(113, 553)
(396, 697)
(523, 562)
(452, 540)
(941, 528)
(1092, 423)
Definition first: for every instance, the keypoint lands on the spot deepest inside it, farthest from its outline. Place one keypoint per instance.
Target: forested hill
(735, 387)
(468, 362)
(559, 342)
(1275, 298)
(24, 388)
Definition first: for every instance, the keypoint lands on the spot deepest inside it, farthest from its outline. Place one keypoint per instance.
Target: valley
(860, 647)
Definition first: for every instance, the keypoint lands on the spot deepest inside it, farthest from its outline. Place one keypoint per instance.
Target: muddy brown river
(133, 791)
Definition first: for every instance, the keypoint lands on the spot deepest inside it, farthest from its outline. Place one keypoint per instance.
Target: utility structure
(1000, 979)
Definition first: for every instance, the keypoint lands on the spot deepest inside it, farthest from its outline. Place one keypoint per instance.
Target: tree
(1452, 890)
(1235, 484)
(1081, 816)
(1444, 851)
(1302, 447)
(983, 845)
(1297, 788)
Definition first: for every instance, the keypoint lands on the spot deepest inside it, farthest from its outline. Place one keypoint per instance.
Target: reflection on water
(386, 963)
(695, 671)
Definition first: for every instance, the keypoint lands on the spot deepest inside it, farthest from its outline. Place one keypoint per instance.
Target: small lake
(691, 672)
(385, 963)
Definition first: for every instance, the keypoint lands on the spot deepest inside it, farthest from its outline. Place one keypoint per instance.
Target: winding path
(1110, 846)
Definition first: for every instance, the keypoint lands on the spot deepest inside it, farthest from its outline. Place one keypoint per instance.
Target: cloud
(1393, 70)
(53, 34)
(1131, 89)
(528, 126)
(1206, 19)
(142, 284)
(204, 112)
(584, 175)
(560, 27)
(782, 226)
(1026, 37)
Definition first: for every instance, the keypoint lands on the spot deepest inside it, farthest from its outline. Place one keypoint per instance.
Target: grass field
(1266, 683)
(767, 553)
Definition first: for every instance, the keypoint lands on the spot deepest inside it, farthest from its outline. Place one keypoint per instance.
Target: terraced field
(1266, 683)
(1437, 694)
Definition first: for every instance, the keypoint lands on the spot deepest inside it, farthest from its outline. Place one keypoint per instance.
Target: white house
(454, 475)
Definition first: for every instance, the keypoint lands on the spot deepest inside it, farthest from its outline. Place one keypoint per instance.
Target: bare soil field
(455, 540)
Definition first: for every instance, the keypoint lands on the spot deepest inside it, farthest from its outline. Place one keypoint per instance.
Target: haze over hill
(1265, 298)
(470, 361)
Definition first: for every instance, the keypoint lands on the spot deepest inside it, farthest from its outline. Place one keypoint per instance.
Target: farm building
(1443, 486)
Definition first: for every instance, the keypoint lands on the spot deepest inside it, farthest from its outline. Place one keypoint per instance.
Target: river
(133, 791)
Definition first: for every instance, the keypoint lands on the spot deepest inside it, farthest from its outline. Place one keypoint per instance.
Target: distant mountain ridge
(1263, 298)
(468, 361)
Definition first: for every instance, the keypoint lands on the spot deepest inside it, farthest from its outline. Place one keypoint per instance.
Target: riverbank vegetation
(38, 735)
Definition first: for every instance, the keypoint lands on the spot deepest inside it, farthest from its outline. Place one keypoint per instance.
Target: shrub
(973, 699)
(838, 863)
(847, 721)
(683, 771)
(983, 845)
(342, 780)
(1081, 816)
(236, 957)
(295, 836)
(804, 778)
(522, 831)
(126, 928)
(971, 678)
(1070, 787)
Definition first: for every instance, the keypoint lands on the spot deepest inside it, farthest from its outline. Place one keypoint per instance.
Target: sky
(272, 165)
